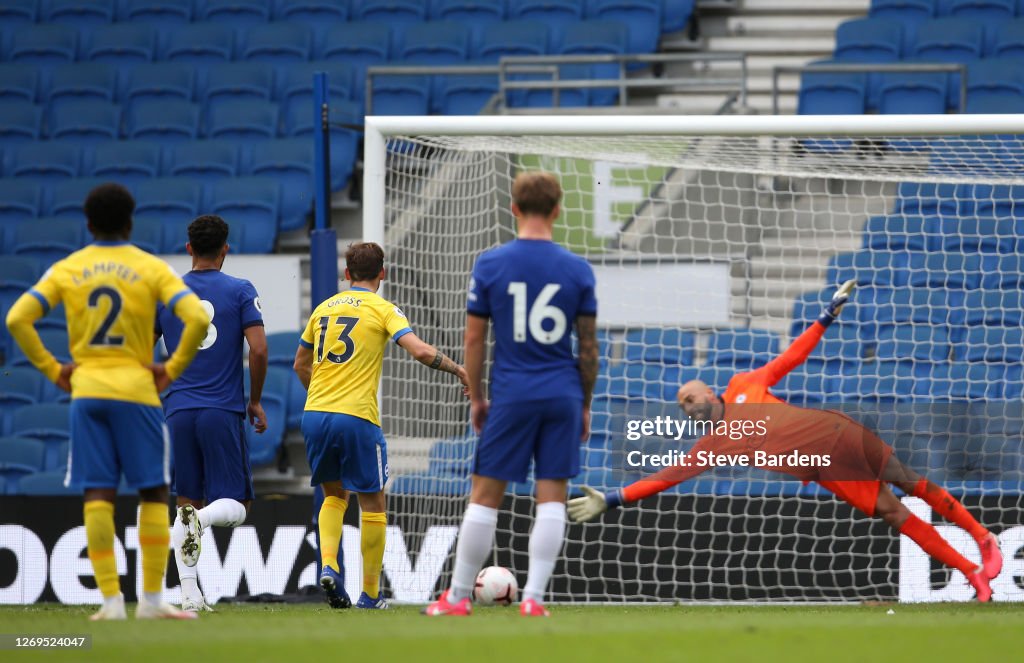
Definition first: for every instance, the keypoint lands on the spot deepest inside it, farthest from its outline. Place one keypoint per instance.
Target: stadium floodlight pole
(323, 240)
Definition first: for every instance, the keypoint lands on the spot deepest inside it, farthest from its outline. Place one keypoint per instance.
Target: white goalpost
(714, 241)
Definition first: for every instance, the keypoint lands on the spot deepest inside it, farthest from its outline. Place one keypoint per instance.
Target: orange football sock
(928, 538)
(949, 508)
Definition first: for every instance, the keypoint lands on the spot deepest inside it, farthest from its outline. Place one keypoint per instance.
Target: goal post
(715, 240)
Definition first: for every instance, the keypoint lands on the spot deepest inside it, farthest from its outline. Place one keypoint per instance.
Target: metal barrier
(867, 68)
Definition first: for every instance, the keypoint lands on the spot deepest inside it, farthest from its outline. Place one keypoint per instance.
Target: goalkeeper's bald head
(699, 401)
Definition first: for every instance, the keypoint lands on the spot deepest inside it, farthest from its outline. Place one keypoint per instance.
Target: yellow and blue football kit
(110, 291)
(341, 424)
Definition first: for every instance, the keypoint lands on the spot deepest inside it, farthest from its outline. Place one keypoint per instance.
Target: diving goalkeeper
(859, 469)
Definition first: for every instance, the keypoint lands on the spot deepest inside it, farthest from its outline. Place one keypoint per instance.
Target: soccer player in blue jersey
(206, 407)
(533, 291)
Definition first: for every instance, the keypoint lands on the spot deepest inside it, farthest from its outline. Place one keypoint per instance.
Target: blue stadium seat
(355, 43)
(470, 12)
(56, 341)
(23, 122)
(990, 11)
(802, 388)
(243, 120)
(390, 11)
(158, 82)
(20, 456)
(44, 484)
(435, 42)
(263, 447)
(985, 104)
(597, 38)
(236, 82)
(126, 162)
(842, 344)
(17, 274)
(281, 347)
(276, 43)
(67, 198)
(807, 307)
(296, 80)
(252, 206)
(676, 15)
(998, 200)
(742, 348)
(869, 40)
(290, 162)
(296, 403)
(996, 418)
(121, 44)
(876, 382)
(642, 20)
(993, 80)
(512, 38)
(44, 45)
(164, 122)
(200, 43)
(924, 198)
(312, 11)
(168, 231)
(18, 12)
(18, 83)
(904, 11)
(465, 95)
(298, 121)
(204, 159)
(916, 93)
(900, 233)
(147, 233)
(963, 381)
(832, 94)
(18, 201)
(557, 15)
(663, 345)
(949, 40)
(945, 270)
(80, 12)
(85, 121)
(930, 306)
(451, 458)
(84, 81)
(1007, 272)
(993, 344)
(19, 386)
(178, 196)
(716, 377)
(49, 239)
(235, 12)
(995, 308)
(977, 235)
(1009, 41)
(161, 12)
(401, 95)
(927, 343)
(45, 162)
(869, 268)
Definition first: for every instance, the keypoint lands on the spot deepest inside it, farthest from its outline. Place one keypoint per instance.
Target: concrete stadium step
(804, 7)
(817, 25)
(791, 45)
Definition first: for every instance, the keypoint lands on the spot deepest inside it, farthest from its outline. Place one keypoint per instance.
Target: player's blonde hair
(536, 192)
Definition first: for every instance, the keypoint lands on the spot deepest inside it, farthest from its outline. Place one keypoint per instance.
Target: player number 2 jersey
(348, 334)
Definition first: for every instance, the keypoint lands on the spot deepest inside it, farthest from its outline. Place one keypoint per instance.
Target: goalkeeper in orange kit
(859, 468)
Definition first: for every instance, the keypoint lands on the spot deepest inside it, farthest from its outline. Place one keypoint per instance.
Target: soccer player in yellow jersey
(339, 360)
(110, 290)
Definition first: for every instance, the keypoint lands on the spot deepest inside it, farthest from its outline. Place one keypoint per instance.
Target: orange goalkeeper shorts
(861, 495)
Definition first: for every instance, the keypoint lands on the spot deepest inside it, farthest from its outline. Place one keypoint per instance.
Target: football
(495, 585)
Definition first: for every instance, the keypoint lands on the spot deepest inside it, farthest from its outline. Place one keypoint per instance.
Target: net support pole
(374, 169)
(323, 241)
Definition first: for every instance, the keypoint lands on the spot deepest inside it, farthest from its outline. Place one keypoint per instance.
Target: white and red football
(495, 585)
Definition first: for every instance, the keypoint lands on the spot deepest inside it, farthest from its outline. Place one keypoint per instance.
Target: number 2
(102, 335)
(540, 311)
(348, 324)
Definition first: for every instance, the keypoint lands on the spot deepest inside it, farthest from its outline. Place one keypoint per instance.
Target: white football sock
(476, 539)
(153, 598)
(186, 574)
(545, 544)
(223, 512)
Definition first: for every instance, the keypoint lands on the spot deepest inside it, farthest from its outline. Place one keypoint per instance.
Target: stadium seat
(994, 308)
(832, 94)
(807, 307)
(392, 12)
(904, 11)
(991, 11)
(121, 44)
(435, 42)
(869, 268)
(972, 234)
(159, 81)
(168, 231)
(742, 348)
(557, 15)
(281, 347)
(205, 159)
(868, 40)
(358, 44)
(993, 80)
(924, 198)
(85, 121)
(312, 11)
(998, 200)
(993, 344)
(177, 196)
(296, 80)
(963, 381)
(1009, 41)
(126, 162)
(161, 12)
(930, 306)
(842, 344)
(512, 38)
(20, 456)
(949, 40)
(18, 12)
(147, 233)
(664, 345)
(927, 343)
(84, 81)
(18, 201)
(164, 122)
(17, 274)
(263, 448)
(451, 458)
(676, 15)
(400, 95)
(900, 233)
(242, 120)
(290, 162)
(465, 95)
(19, 386)
(67, 198)
(276, 43)
(80, 12)
(1005, 417)
(944, 270)
(985, 104)
(251, 205)
(642, 20)
(235, 12)
(56, 341)
(44, 45)
(44, 484)
(802, 388)
(875, 382)
(236, 82)
(18, 83)
(200, 43)
(916, 93)
(45, 161)
(23, 122)
(597, 38)
(296, 402)
(298, 121)
(1007, 272)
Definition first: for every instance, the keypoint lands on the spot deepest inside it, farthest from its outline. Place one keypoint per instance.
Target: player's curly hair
(109, 208)
(364, 260)
(207, 234)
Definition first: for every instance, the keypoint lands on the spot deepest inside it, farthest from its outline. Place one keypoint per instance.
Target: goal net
(715, 241)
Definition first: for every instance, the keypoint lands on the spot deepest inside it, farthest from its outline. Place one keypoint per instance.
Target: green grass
(313, 634)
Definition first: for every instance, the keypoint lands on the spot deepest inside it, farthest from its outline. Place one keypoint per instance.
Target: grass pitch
(311, 634)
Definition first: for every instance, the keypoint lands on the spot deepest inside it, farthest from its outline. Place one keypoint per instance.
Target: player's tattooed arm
(428, 355)
(586, 329)
(442, 362)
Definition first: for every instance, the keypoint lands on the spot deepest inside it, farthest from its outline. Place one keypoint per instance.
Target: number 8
(211, 331)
